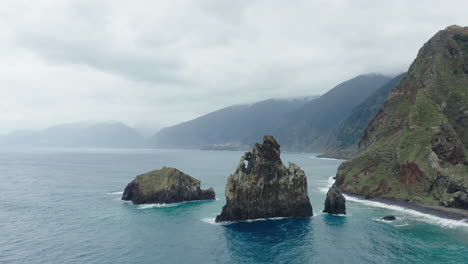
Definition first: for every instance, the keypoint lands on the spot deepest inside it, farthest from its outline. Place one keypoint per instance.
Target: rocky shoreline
(439, 211)
(414, 147)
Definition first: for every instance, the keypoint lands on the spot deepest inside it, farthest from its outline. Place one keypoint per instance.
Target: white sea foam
(415, 215)
(115, 193)
(405, 224)
(212, 220)
(384, 221)
(330, 182)
(159, 205)
(338, 215)
(265, 219)
(324, 158)
(156, 205)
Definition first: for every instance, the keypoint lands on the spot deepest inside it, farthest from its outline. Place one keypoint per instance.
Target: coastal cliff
(167, 185)
(414, 149)
(264, 187)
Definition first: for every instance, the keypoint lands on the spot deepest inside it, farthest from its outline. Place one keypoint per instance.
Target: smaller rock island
(262, 187)
(388, 218)
(335, 203)
(167, 185)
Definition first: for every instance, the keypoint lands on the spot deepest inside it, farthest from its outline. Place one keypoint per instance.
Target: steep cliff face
(265, 187)
(345, 138)
(167, 185)
(415, 147)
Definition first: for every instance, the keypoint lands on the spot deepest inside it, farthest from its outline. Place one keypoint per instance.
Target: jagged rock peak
(264, 187)
(167, 185)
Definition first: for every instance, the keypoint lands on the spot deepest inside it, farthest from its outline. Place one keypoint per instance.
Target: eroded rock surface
(262, 187)
(335, 202)
(167, 185)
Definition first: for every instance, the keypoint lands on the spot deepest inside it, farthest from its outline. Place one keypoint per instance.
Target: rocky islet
(167, 185)
(262, 187)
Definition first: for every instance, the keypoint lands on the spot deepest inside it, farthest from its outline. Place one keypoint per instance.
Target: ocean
(63, 206)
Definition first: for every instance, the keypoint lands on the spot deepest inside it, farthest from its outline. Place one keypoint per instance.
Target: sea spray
(418, 216)
(115, 193)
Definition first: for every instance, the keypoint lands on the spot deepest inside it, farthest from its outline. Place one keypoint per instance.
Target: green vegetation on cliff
(307, 129)
(166, 185)
(299, 124)
(343, 141)
(415, 146)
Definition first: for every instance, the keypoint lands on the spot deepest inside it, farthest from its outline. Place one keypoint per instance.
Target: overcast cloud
(157, 63)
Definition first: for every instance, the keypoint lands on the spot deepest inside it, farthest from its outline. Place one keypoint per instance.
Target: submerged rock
(167, 185)
(264, 187)
(388, 218)
(335, 203)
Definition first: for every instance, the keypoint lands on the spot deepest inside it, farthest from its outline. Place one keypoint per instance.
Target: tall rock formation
(167, 185)
(415, 148)
(264, 187)
(335, 203)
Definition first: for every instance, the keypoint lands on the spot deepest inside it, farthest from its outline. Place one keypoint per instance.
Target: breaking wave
(115, 193)
(415, 215)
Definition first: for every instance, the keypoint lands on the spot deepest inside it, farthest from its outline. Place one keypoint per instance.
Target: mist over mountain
(302, 129)
(233, 127)
(298, 124)
(110, 134)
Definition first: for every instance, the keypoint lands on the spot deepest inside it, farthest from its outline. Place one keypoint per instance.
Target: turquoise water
(63, 206)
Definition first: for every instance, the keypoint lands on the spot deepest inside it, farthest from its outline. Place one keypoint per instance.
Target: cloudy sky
(156, 63)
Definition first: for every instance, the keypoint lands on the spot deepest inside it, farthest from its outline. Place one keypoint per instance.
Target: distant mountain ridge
(298, 124)
(233, 127)
(303, 129)
(111, 134)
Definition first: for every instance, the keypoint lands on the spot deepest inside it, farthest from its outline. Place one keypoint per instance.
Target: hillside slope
(343, 141)
(302, 130)
(234, 127)
(297, 124)
(415, 148)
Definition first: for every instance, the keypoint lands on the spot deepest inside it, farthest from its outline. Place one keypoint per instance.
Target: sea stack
(167, 185)
(335, 203)
(262, 187)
